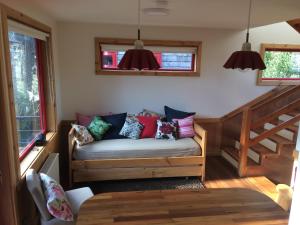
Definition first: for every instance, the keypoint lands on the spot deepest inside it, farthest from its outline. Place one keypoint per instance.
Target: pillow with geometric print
(82, 135)
(57, 202)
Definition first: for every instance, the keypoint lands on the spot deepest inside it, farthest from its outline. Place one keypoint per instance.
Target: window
(283, 65)
(176, 58)
(28, 88)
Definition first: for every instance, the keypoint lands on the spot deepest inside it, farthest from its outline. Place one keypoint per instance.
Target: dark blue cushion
(176, 114)
(117, 121)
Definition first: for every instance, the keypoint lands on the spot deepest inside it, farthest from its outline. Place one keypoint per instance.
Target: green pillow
(98, 128)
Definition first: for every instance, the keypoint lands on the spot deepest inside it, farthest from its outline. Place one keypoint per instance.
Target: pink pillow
(85, 120)
(186, 127)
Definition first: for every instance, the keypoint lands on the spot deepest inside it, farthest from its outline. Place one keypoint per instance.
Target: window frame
(164, 43)
(48, 82)
(273, 81)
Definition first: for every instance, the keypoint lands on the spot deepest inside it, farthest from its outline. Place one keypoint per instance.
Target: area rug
(192, 183)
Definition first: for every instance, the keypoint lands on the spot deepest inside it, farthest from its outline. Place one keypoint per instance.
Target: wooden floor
(220, 174)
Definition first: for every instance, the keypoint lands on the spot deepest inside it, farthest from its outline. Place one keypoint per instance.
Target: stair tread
(234, 153)
(262, 150)
(292, 128)
(275, 137)
(280, 140)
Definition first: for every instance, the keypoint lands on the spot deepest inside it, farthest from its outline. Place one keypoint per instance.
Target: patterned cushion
(186, 127)
(132, 128)
(147, 112)
(167, 130)
(82, 135)
(57, 203)
(98, 128)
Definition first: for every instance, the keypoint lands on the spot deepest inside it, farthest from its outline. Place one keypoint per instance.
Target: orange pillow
(150, 126)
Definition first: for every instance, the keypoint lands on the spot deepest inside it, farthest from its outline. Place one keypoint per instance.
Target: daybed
(132, 159)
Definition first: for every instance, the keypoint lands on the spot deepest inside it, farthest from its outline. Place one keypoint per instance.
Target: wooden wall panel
(213, 126)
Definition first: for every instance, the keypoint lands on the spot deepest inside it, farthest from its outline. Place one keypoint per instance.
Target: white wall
(216, 92)
(37, 14)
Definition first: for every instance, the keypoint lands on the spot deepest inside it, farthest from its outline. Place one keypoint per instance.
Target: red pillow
(150, 126)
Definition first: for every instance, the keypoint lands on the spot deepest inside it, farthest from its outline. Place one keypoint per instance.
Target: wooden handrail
(282, 94)
(261, 99)
(274, 130)
(260, 122)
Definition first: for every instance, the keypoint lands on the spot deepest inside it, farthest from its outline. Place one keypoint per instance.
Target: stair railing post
(244, 141)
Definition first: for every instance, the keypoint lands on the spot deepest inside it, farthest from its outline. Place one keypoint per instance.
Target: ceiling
(228, 14)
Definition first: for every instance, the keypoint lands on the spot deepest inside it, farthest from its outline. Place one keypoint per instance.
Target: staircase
(259, 138)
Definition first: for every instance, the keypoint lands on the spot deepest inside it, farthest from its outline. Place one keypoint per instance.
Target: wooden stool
(284, 197)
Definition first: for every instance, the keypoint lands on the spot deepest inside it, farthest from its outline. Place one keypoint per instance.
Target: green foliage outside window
(282, 65)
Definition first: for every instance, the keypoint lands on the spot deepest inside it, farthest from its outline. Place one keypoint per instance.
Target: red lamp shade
(245, 60)
(138, 59)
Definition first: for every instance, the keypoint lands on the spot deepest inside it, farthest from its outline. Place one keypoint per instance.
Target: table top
(207, 207)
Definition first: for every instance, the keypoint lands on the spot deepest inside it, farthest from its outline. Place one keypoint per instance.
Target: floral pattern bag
(57, 203)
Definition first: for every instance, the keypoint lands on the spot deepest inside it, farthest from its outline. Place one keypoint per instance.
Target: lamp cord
(249, 18)
(139, 19)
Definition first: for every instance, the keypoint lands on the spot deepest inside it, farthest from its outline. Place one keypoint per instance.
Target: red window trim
(43, 121)
(288, 79)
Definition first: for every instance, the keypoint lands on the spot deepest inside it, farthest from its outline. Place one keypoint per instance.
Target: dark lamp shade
(245, 60)
(138, 59)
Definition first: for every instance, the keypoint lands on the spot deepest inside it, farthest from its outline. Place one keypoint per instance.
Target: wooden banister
(244, 141)
(282, 94)
(274, 130)
(260, 122)
(259, 100)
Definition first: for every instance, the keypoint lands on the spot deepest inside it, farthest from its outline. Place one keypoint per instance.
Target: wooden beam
(244, 141)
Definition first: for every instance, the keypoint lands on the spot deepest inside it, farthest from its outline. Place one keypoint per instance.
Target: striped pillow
(186, 127)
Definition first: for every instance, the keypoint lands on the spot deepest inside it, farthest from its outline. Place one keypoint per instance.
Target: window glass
(281, 65)
(166, 60)
(24, 65)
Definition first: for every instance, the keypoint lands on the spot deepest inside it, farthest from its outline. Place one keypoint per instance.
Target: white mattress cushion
(141, 148)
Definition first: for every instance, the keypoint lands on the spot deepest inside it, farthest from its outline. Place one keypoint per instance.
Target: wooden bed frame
(135, 168)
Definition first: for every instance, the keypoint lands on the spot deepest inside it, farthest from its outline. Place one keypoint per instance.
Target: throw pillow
(57, 202)
(147, 112)
(98, 128)
(176, 114)
(167, 130)
(82, 135)
(117, 121)
(83, 120)
(132, 128)
(186, 127)
(150, 125)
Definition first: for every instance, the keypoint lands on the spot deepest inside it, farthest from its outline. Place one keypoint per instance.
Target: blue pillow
(176, 114)
(117, 121)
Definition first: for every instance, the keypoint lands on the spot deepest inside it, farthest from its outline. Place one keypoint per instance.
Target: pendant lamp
(138, 58)
(246, 59)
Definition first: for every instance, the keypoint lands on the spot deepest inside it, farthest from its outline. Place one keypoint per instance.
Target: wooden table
(207, 207)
